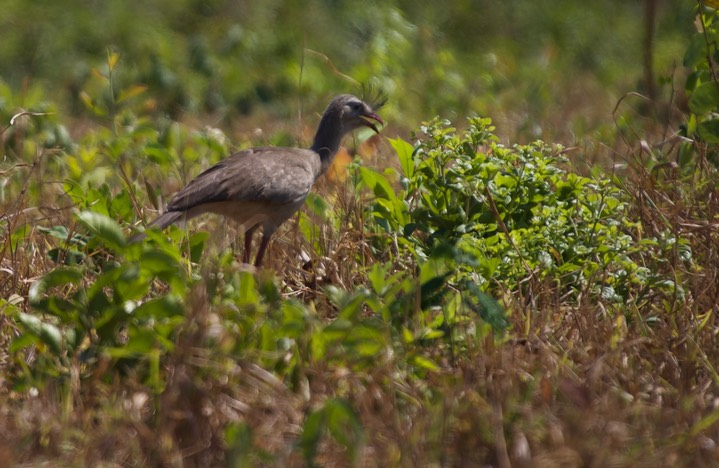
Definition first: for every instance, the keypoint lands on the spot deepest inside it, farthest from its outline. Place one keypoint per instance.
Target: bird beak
(369, 118)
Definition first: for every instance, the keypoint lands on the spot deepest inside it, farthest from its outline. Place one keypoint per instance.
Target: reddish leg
(263, 247)
(248, 244)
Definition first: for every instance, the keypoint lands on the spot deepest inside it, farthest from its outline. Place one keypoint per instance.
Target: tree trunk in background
(650, 13)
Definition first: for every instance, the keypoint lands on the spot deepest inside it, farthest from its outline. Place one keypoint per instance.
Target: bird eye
(355, 106)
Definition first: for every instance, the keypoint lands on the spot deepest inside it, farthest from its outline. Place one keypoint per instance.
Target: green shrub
(702, 90)
(504, 217)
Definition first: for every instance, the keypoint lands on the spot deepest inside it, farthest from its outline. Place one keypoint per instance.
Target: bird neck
(327, 140)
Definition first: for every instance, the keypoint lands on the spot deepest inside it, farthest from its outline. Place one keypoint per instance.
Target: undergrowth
(477, 306)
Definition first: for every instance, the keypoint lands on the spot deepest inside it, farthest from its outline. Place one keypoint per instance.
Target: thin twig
(331, 66)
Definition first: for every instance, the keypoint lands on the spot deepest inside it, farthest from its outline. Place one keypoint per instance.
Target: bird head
(355, 113)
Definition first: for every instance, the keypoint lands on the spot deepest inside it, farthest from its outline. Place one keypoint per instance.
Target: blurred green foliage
(451, 58)
(702, 89)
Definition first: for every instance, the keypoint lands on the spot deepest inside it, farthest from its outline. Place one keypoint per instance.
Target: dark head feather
(373, 96)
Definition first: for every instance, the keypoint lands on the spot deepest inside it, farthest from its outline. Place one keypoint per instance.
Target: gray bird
(266, 186)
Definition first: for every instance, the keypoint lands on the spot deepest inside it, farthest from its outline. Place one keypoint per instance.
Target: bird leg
(248, 244)
(263, 247)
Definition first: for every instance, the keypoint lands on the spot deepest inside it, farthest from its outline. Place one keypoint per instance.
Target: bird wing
(272, 175)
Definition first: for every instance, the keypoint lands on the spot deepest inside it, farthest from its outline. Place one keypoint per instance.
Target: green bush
(504, 217)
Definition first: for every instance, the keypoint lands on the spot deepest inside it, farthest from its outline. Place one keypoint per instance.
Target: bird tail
(161, 222)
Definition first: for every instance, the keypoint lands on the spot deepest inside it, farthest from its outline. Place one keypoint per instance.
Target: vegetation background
(455, 293)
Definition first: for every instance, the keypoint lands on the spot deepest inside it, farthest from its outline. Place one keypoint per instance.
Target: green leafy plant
(339, 420)
(99, 307)
(702, 88)
(500, 216)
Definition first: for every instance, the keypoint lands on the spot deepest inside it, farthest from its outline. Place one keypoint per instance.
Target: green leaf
(377, 277)
(160, 307)
(709, 131)
(247, 293)
(367, 340)
(705, 98)
(66, 256)
(23, 341)
(507, 181)
(47, 333)
(433, 291)
(405, 153)
(341, 421)
(197, 245)
(19, 235)
(121, 206)
(489, 309)
(312, 433)
(59, 232)
(131, 92)
(66, 311)
(425, 363)
(238, 437)
(696, 52)
(378, 183)
(295, 319)
(336, 295)
(344, 425)
(141, 344)
(57, 277)
(159, 261)
(103, 227)
(705, 423)
(318, 205)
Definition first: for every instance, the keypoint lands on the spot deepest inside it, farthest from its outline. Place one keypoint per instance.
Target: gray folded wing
(247, 185)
